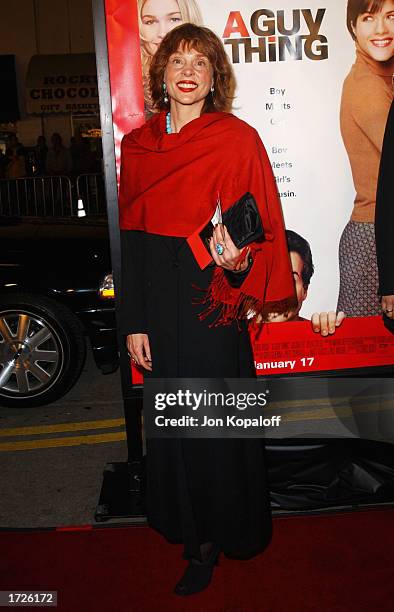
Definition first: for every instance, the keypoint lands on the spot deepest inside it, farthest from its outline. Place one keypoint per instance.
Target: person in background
(83, 158)
(15, 154)
(302, 266)
(58, 160)
(40, 155)
(86, 158)
(384, 224)
(3, 164)
(74, 152)
(156, 18)
(366, 97)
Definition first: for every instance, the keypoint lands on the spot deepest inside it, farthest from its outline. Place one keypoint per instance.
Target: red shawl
(169, 185)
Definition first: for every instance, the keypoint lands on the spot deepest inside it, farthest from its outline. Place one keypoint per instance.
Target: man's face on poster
(297, 266)
(158, 17)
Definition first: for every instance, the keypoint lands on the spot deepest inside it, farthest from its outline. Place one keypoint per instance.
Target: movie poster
(291, 62)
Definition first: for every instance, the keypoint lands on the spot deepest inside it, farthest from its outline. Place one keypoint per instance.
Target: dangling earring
(212, 93)
(165, 93)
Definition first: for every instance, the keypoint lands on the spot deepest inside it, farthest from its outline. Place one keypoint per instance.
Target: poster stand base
(342, 475)
(122, 494)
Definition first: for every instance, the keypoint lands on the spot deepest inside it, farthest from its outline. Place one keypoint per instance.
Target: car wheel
(42, 350)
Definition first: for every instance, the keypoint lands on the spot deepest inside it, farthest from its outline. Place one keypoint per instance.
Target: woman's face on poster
(375, 32)
(158, 17)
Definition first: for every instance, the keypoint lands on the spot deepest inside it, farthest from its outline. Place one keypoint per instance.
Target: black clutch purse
(243, 223)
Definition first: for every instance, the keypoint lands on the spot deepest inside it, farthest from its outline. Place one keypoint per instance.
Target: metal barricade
(91, 190)
(53, 196)
(37, 196)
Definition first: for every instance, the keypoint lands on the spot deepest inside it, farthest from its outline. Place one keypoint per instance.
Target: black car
(55, 290)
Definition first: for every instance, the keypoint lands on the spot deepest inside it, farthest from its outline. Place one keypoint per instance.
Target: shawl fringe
(235, 305)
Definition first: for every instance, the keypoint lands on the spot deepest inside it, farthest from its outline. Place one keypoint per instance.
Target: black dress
(198, 490)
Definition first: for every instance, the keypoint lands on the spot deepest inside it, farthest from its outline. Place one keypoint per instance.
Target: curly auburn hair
(203, 41)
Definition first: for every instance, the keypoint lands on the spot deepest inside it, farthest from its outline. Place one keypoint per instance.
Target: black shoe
(198, 574)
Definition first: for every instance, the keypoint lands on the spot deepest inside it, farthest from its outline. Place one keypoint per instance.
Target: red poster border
(125, 70)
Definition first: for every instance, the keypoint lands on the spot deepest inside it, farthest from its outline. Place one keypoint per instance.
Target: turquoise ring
(219, 249)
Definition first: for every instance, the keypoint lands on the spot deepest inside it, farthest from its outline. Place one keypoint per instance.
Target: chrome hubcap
(30, 352)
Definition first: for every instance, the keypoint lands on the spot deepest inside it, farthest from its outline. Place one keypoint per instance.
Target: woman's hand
(388, 305)
(326, 322)
(139, 350)
(230, 258)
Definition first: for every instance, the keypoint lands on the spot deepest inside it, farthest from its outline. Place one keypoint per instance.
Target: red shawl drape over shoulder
(169, 185)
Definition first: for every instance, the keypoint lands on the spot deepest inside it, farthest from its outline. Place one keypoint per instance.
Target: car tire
(42, 350)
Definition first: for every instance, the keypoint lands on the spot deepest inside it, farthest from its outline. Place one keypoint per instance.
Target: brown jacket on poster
(366, 97)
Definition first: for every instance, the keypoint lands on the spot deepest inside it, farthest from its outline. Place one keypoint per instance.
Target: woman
(156, 18)
(366, 98)
(209, 494)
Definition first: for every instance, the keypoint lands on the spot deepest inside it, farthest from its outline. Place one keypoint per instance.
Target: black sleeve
(236, 279)
(132, 298)
(384, 214)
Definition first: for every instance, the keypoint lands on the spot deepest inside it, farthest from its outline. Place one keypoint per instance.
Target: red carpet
(341, 562)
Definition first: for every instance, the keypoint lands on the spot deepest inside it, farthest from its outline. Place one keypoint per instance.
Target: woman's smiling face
(158, 17)
(375, 32)
(188, 76)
